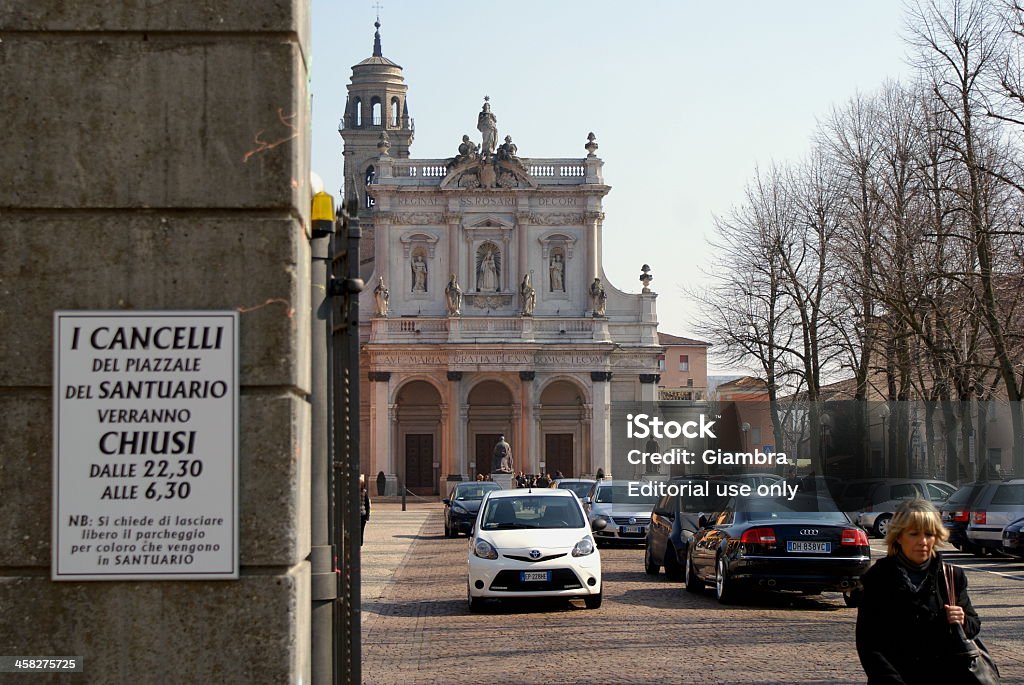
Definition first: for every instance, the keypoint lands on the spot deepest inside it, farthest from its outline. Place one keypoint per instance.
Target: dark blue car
(462, 504)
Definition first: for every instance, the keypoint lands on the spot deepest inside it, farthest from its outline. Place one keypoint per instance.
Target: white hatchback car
(533, 543)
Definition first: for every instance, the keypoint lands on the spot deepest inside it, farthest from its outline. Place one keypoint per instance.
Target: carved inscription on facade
(420, 200)
(489, 358)
(569, 361)
(385, 361)
(557, 201)
(487, 201)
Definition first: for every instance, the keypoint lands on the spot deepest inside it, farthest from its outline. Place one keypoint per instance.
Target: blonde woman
(905, 623)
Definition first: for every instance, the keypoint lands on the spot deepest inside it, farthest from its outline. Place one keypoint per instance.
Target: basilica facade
(487, 311)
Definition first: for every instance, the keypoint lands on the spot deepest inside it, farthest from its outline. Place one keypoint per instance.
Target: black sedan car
(462, 504)
(773, 544)
(1013, 539)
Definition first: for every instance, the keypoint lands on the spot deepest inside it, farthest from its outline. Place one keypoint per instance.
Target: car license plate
(802, 546)
(632, 529)
(535, 576)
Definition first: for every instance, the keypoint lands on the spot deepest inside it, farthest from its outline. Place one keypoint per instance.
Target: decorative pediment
(414, 238)
(475, 172)
(553, 239)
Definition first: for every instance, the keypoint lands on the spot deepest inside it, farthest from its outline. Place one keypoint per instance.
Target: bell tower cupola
(376, 110)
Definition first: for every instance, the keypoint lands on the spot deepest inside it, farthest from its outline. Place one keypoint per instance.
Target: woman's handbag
(971, 657)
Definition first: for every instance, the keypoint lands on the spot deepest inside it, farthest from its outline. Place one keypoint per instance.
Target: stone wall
(155, 156)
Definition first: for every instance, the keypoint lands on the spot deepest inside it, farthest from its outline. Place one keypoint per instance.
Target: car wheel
(448, 533)
(593, 601)
(724, 590)
(693, 583)
(882, 525)
(672, 570)
(475, 603)
(650, 568)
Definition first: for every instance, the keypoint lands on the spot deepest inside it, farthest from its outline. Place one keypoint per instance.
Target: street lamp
(746, 431)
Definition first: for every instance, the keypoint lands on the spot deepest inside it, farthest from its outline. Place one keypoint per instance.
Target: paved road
(417, 628)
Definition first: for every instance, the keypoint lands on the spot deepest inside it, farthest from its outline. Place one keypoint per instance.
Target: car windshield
(964, 495)
(1009, 494)
(619, 494)
(581, 488)
(465, 492)
(531, 511)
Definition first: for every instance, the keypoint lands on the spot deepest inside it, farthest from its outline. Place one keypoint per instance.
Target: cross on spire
(376, 34)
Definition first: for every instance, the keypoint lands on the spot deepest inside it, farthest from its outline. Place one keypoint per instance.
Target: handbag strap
(947, 576)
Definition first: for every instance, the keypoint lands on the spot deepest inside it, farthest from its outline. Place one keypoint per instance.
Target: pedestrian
(600, 474)
(905, 623)
(364, 507)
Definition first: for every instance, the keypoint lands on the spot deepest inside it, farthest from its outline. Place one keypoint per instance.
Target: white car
(533, 543)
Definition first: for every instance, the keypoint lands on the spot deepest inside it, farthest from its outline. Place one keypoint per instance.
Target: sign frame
(172, 351)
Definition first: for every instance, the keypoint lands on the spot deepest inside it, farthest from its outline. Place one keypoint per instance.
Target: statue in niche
(528, 295)
(598, 297)
(557, 271)
(381, 296)
(502, 461)
(453, 293)
(488, 269)
(507, 151)
(487, 124)
(419, 274)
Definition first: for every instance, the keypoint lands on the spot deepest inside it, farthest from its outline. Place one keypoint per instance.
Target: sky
(687, 99)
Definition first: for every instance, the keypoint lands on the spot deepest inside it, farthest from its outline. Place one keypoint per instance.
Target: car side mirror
(600, 523)
(447, 502)
(586, 500)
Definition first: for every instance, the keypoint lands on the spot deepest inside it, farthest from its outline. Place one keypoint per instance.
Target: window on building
(357, 108)
(689, 382)
(371, 177)
(684, 362)
(661, 363)
(375, 109)
(394, 112)
(755, 436)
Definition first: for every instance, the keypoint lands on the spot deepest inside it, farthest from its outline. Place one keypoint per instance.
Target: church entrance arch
(565, 430)
(490, 415)
(419, 429)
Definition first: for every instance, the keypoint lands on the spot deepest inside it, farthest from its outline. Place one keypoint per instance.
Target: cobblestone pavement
(417, 628)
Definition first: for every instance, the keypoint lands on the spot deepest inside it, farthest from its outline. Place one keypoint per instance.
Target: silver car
(996, 507)
(628, 515)
(875, 511)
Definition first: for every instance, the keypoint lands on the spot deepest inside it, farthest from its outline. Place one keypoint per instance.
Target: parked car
(1013, 539)
(533, 544)
(998, 505)
(580, 486)
(876, 511)
(628, 516)
(956, 514)
(768, 544)
(673, 524)
(462, 505)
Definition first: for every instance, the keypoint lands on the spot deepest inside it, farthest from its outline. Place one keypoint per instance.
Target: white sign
(145, 456)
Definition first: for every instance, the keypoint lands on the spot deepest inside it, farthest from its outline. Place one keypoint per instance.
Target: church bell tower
(376, 109)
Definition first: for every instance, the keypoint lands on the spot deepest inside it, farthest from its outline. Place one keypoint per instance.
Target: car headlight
(485, 550)
(459, 510)
(583, 547)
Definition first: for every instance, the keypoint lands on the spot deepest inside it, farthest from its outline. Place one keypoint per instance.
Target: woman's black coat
(902, 634)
